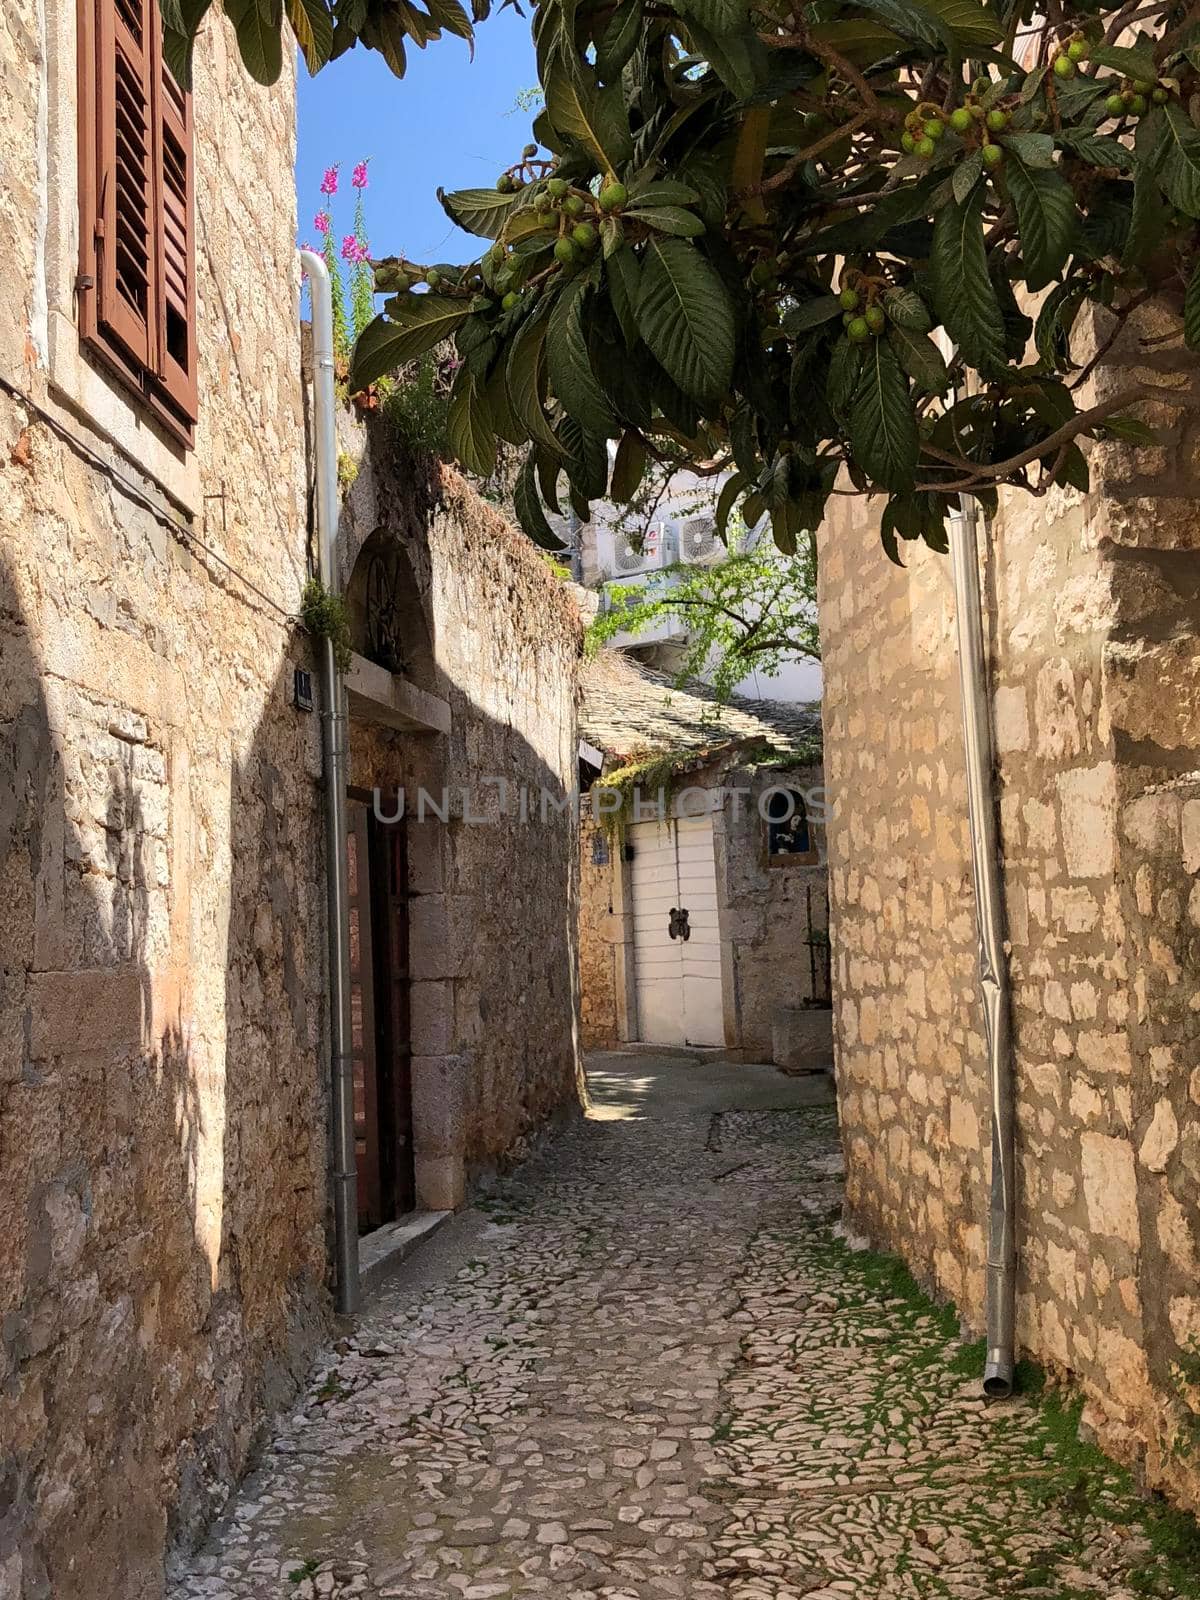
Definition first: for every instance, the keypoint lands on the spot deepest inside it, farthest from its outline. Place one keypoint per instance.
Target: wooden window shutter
(125, 246)
(176, 251)
(138, 301)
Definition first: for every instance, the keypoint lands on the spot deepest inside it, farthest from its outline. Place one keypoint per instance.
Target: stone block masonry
(1094, 641)
(164, 1205)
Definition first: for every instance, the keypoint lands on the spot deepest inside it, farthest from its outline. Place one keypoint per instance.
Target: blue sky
(449, 121)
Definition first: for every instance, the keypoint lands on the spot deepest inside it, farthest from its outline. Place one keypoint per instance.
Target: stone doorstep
(381, 1252)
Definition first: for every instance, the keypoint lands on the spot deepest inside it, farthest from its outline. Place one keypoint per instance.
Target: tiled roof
(630, 710)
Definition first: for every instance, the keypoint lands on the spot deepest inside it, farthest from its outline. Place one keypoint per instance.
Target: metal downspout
(993, 968)
(333, 741)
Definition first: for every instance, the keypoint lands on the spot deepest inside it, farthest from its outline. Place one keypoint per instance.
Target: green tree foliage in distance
(753, 612)
(753, 219)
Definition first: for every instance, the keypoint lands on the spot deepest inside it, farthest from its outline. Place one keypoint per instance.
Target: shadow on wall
(157, 1113)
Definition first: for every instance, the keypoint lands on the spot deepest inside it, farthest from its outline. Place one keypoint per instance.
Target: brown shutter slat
(124, 220)
(175, 226)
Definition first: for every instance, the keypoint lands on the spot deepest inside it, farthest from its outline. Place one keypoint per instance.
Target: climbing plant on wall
(741, 227)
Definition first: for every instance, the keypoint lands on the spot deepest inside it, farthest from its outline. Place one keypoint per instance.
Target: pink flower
(359, 176)
(329, 182)
(352, 250)
(321, 222)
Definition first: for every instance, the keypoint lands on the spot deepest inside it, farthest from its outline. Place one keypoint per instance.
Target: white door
(678, 978)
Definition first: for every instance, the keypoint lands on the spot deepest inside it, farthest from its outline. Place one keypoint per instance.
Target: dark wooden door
(377, 874)
(363, 1021)
(389, 857)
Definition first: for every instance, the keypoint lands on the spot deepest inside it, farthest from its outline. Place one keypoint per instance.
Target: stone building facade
(164, 1200)
(1095, 697)
(726, 762)
(484, 627)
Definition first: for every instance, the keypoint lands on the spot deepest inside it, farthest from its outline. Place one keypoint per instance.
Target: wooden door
(381, 1053)
(389, 857)
(676, 938)
(363, 1027)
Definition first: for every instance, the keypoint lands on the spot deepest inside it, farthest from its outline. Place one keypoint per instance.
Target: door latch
(677, 925)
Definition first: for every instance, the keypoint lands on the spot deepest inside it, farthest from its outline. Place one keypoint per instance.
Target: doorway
(380, 1034)
(676, 938)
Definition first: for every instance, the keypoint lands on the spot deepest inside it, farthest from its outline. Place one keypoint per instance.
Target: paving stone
(660, 1384)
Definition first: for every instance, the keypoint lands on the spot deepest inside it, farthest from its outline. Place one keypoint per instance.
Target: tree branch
(985, 472)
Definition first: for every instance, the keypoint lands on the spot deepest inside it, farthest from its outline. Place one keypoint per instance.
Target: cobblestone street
(646, 1367)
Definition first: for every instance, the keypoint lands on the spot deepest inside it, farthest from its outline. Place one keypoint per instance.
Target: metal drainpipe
(333, 740)
(993, 968)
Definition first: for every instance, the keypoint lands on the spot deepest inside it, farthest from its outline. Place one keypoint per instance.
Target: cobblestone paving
(662, 1378)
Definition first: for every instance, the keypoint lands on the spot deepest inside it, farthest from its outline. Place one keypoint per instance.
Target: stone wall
(766, 911)
(162, 1189)
(602, 933)
(1093, 627)
(486, 624)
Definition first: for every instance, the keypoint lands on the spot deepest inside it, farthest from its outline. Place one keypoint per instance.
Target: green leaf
(528, 508)
(971, 22)
(619, 40)
(962, 291)
(1127, 429)
(738, 59)
(907, 310)
(718, 16)
(384, 31)
(451, 18)
(668, 219)
(921, 359)
(1032, 149)
(180, 25)
(1052, 332)
(313, 27)
(910, 20)
(1149, 216)
(623, 274)
(1046, 218)
(469, 431)
(629, 465)
(1096, 149)
(883, 429)
(525, 378)
(662, 194)
(967, 174)
(686, 319)
(612, 236)
(845, 369)
(811, 313)
(413, 324)
(733, 486)
(569, 366)
(1191, 311)
(257, 24)
(480, 211)
(1180, 161)
(1129, 63)
(593, 118)
(861, 42)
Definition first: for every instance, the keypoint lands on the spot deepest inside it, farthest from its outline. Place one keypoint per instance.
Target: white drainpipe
(334, 742)
(993, 967)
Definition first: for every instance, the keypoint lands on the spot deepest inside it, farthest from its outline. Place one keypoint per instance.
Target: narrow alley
(646, 1367)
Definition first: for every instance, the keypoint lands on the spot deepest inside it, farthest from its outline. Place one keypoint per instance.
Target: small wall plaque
(302, 697)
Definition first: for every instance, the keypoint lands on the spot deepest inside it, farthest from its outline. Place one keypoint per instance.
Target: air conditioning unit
(624, 557)
(698, 541)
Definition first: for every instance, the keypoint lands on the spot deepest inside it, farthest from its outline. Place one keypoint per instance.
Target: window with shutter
(137, 277)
